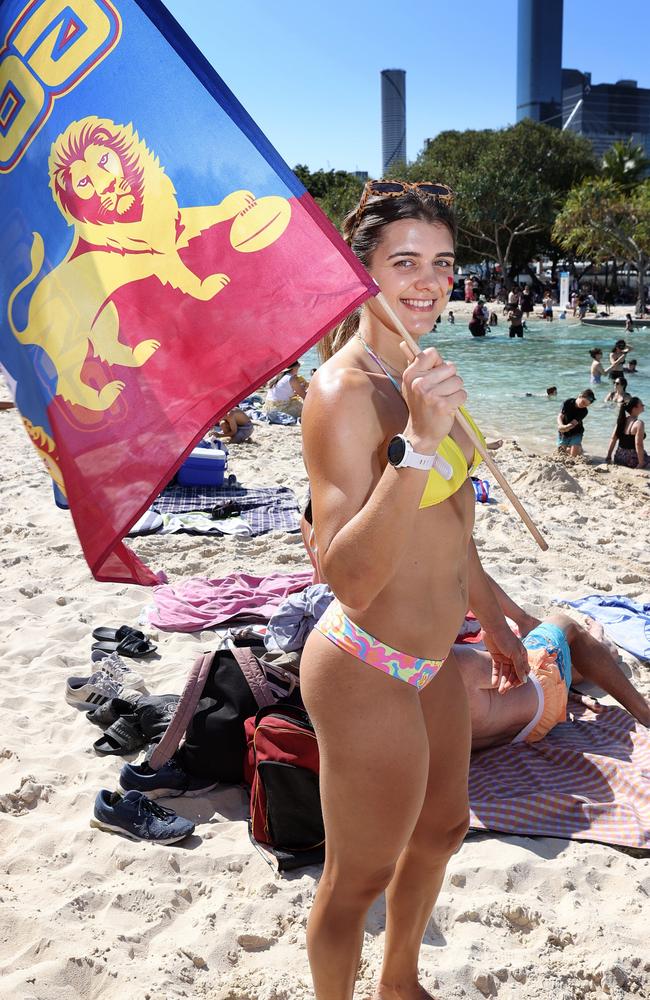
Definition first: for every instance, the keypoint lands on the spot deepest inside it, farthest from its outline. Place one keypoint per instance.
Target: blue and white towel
(625, 622)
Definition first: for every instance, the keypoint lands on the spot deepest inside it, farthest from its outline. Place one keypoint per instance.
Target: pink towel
(198, 603)
(588, 779)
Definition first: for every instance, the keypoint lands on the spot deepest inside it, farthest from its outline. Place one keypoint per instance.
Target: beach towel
(264, 508)
(589, 779)
(626, 623)
(198, 603)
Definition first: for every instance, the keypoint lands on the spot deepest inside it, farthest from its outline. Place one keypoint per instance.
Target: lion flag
(158, 259)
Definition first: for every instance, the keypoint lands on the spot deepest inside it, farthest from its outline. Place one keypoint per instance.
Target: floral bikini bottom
(344, 633)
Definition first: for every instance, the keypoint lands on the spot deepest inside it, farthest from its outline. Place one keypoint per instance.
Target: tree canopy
(336, 191)
(626, 164)
(509, 183)
(603, 221)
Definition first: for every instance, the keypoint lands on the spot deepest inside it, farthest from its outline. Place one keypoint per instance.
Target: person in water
(597, 371)
(570, 422)
(393, 512)
(619, 393)
(628, 437)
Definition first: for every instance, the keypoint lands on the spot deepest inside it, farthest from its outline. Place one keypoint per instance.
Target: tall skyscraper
(393, 118)
(539, 61)
(605, 112)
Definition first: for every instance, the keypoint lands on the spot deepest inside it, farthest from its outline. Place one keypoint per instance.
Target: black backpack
(224, 688)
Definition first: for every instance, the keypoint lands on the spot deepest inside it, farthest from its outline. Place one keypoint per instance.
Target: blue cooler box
(205, 466)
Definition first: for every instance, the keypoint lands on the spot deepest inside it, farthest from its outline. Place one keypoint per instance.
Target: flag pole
(480, 447)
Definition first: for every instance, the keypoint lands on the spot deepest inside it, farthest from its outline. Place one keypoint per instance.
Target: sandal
(122, 738)
(116, 634)
(114, 709)
(130, 645)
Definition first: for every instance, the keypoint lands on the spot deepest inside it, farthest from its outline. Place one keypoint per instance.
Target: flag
(158, 259)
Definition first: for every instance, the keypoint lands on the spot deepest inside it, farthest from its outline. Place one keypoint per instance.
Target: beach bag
(281, 768)
(224, 687)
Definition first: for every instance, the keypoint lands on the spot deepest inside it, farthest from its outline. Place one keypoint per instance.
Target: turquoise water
(498, 372)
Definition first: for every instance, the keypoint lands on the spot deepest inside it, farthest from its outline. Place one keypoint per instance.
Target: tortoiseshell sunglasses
(393, 188)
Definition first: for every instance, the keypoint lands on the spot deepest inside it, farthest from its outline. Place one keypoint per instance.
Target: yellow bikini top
(443, 482)
(451, 469)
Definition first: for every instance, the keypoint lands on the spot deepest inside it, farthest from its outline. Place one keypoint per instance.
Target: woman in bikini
(393, 511)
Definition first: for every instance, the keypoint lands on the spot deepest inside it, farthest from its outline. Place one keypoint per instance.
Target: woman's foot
(399, 993)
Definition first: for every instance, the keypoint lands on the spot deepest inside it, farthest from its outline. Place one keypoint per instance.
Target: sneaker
(114, 681)
(91, 692)
(135, 816)
(115, 668)
(170, 780)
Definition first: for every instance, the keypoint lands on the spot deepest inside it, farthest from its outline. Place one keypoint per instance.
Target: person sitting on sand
(628, 437)
(560, 652)
(569, 422)
(286, 392)
(619, 393)
(236, 425)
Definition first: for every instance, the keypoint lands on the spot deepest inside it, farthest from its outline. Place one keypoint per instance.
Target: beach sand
(88, 914)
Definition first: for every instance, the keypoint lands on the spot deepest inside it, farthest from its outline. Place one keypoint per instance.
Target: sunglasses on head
(394, 188)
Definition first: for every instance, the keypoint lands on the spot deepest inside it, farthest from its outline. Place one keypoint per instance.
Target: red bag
(281, 767)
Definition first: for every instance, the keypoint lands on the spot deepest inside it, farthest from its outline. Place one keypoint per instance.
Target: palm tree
(626, 164)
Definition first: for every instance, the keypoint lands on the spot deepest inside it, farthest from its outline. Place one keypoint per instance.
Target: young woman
(628, 436)
(617, 358)
(286, 392)
(393, 512)
(619, 393)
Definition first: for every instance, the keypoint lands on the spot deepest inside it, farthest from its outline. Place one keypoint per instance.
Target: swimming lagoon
(498, 372)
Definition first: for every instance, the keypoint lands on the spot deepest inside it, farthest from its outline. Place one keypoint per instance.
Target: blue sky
(308, 72)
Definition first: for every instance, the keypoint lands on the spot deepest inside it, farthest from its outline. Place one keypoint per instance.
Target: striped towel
(589, 779)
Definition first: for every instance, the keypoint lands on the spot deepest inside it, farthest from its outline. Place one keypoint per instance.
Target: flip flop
(108, 714)
(116, 634)
(131, 646)
(122, 738)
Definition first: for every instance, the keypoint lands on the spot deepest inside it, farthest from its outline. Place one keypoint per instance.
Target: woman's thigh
(374, 755)
(443, 818)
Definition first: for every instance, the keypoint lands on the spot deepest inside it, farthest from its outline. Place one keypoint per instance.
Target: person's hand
(510, 666)
(433, 392)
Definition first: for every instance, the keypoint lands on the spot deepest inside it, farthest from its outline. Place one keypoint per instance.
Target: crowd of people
(626, 446)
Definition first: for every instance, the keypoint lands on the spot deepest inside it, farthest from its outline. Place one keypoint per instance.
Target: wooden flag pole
(480, 447)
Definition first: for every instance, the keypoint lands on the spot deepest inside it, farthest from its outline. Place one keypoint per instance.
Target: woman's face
(637, 410)
(414, 267)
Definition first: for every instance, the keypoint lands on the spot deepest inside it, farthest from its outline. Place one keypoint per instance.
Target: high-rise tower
(393, 118)
(539, 61)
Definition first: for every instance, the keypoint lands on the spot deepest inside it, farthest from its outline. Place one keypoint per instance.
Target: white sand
(89, 914)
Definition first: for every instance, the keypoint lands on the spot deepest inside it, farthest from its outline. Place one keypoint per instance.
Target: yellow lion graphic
(113, 191)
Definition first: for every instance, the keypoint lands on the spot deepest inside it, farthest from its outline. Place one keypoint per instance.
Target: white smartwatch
(402, 456)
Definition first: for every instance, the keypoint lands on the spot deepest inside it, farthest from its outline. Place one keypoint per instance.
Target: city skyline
(313, 83)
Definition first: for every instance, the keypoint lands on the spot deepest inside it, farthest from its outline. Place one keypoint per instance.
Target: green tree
(336, 191)
(509, 184)
(600, 220)
(626, 164)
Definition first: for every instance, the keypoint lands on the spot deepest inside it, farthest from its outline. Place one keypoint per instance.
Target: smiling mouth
(419, 305)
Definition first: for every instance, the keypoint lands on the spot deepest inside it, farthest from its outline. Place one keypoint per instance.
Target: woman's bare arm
(362, 516)
(638, 442)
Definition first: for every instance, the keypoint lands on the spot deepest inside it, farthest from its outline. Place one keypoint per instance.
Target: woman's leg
(439, 832)
(374, 760)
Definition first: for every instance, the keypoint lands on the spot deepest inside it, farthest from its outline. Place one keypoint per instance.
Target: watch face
(396, 450)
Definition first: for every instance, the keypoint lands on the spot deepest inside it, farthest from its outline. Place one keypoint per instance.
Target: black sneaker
(170, 780)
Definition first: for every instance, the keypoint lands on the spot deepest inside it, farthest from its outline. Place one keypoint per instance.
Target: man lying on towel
(560, 652)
